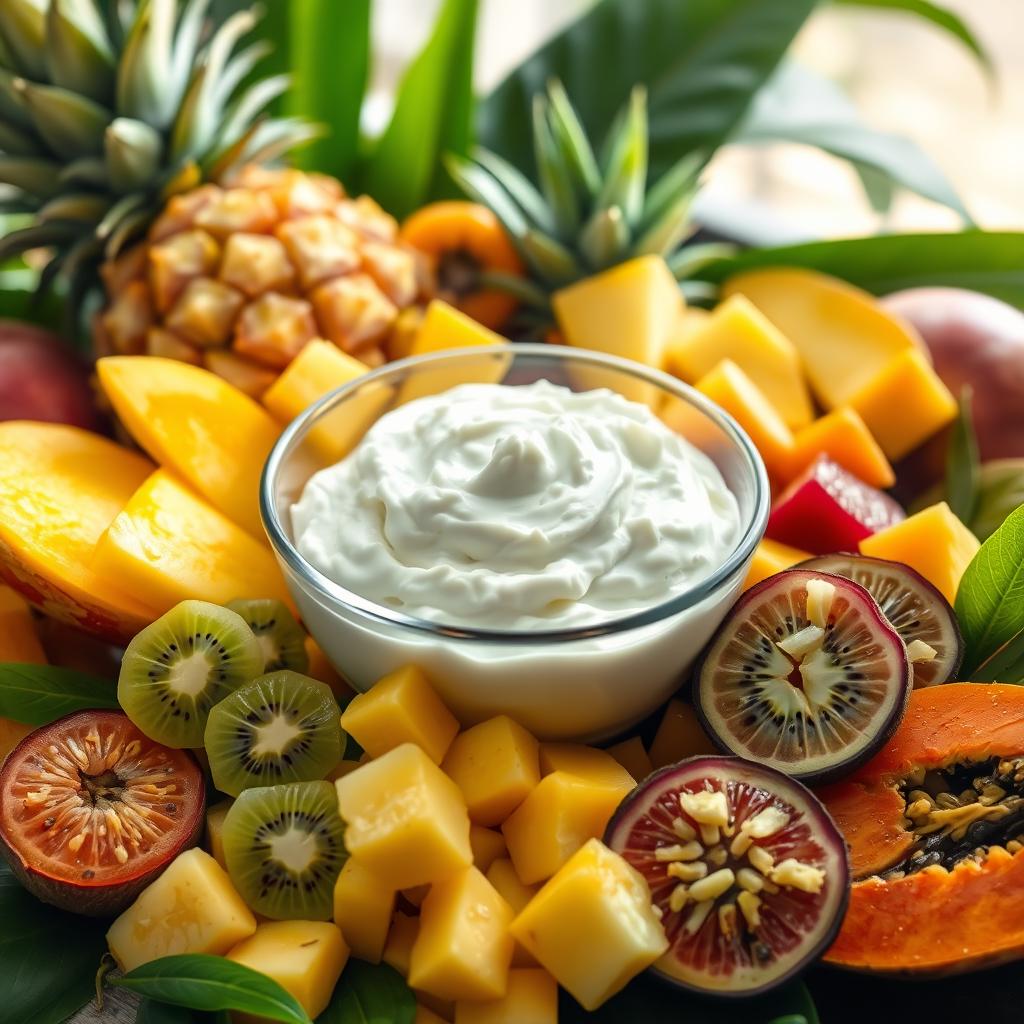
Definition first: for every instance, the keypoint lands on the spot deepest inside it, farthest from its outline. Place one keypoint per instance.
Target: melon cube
(305, 958)
(274, 329)
(406, 819)
(632, 755)
(176, 261)
(739, 331)
(205, 313)
(585, 762)
(191, 908)
(320, 247)
(934, 542)
(844, 437)
(495, 764)
(532, 998)
(400, 708)
(464, 948)
(556, 819)
(398, 948)
(363, 905)
(487, 846)
(904, 403)
(255, 264)
(771, 557)
(679, 735)
(353, 312)
(592, 926)
(215, 816)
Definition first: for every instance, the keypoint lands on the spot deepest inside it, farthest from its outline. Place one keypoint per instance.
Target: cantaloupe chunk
(556, 819)
(401, 936)
(191, 908)
(934, 542)
(532, 998)
(842, 334)
(592, 926)
(904, 403)
(679, 735)
(363, 905)
(590, 763)
(737, 330)
(739, 396)
(487, 846)
(195, 423)
(305, 958)
(400, 708)
(464, 948)
(844, 437)
(60, 487)
(407, 821)
(771, 557)
(215, 816)
(170, 544)
(633, 756)
(495, 764)
(19, 641)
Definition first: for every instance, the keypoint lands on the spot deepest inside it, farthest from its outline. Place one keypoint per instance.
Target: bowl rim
(295, 432)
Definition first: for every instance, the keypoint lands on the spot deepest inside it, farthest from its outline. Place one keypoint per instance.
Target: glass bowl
(582, 683)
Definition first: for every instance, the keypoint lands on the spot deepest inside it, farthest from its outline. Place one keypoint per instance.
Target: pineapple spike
(491, 192)
(78, 53)
(69, 123)
(87, 170)
(186, 44)
(145, 89)
(270, 139)
(555, 180)
(239, 66)
(626, 176)
(519, 188)
(23, 30)
(12, 106)
(82, 206)
(251, 103)
(680, 179)
(133, 150)
(37, 177)
(550, 257)
(573, 139)
(114, 217)
(605, 238)
(667, 234)
(694, 258)
(16, 142)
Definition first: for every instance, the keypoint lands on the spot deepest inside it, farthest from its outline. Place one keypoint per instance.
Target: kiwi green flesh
(180, 666)
(285, 847)
(814, 716)
(914, 608)
(281, 638)
(281, 727)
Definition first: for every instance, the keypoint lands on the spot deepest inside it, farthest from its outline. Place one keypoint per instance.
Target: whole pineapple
(127, 130)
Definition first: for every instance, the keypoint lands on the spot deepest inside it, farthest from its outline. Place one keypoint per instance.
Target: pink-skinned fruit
(828, 509)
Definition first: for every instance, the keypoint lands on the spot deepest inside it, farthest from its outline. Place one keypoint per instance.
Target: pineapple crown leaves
(588, 210)
(109, 107)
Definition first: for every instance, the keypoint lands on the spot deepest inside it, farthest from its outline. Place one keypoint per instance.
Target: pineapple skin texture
(240, 277)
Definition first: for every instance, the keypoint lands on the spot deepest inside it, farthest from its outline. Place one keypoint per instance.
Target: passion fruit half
(915, 609)
(805, 675)
(91, 811)
(747, 869)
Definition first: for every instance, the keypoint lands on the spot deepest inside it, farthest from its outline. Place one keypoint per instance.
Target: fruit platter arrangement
(442, 582)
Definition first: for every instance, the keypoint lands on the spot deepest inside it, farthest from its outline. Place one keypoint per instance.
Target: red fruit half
(91, 811)
(747, 868)
(828, 509)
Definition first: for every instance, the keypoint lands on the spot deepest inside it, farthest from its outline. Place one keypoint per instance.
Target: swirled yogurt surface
(511, 507)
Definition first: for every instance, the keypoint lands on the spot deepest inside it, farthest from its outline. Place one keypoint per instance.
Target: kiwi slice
(281, 727)
(282, 639)
(284, 847)
(180, 666)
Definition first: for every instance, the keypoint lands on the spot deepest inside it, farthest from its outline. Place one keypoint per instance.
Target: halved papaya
(935, 824)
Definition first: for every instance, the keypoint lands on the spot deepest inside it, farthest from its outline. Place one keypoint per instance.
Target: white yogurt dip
(518, 508)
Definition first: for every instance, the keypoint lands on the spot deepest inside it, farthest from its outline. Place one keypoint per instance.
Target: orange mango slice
(771, 557)
(844, 437)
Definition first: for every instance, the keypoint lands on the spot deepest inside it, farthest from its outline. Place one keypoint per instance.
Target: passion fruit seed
(961, 812)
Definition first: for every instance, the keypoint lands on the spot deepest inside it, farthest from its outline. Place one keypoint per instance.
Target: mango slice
(363, 905)
(842, 334)
(487, 846)
(633, 756)
(195, 423)
(60, 487)
(589, 763)
(18, 639)
(771, 557)
(215, 816)
(844, 437)
(398, 948)
(532, 998)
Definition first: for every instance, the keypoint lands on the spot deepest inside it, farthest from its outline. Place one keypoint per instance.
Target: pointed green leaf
(480, 185)
(144, 77)
(552, 260)
(374, 994)
(133, 150)
(665, 236)
(679, 180)
(87, 207)
(40, 694)
(88, 170)
(519, 187)
(555, 176)
(23, 30)
(186, 46)
(71, 125)
(35, 176)
(17, 142)
(78, 53)
(626, 174)
(572, 140)
(247, 108)
(691, 259)
(12, 105)
(604, 238)
(963, 469)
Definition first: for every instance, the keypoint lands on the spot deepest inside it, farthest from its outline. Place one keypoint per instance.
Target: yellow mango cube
(844, 437)
(934, 542)
(904, 403)
(363, 906)
(407, 821)
(495, 764)
(215, 816)
(585, 762)
(400, 708)
(502, 875)
(464, 948)
(771, 557)
(633, 756)
(739, 396)
(556, 819)
(191, 908)
(679, 735)
(739, 331)
(401, 936)
(592, 926)
(487, 846)
(305, 958)
(532, 998)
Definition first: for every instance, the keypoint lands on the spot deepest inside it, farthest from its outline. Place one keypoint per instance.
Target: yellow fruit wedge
(60, 487)
(172, 545)
(191, 421)
(18, 639)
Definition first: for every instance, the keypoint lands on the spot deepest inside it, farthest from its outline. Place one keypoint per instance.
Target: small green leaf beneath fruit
(370, 994)
(40, 694)
(962, 463)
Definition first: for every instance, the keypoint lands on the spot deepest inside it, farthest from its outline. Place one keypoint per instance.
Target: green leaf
(329, 46)
(202, 982)
(990, 601)
(798, 105)
(1005, 665)
(962, 463)
(1000, 491)
(701, 61)
(368, 994)
(48, 958)
(40, 694)
(985, 261)
(433, 114)
(941, 17)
